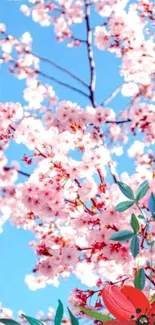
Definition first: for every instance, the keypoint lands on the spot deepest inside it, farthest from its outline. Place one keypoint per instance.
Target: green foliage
(123, 206)
(134, 223)
(139, 280)
(126, 190)
(151, 243)
(142, 190)
(8, 321)
(32, 321)
(151, 204)
(74, 320)
(152, 299)
(122, 236)
(140, 216)
(59, 313)
(95, 314)
(134, 246)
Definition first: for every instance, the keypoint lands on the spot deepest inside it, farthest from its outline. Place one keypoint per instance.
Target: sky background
(17, 258)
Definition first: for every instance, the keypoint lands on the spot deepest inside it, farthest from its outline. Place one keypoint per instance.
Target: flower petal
(152, 310)
(117, 303)
(137, 298)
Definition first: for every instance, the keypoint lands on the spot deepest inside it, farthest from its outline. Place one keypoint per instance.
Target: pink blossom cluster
(67, 202)
(62, 15)
(144, 121)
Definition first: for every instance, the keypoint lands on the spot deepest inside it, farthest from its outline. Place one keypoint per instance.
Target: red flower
(129, 305)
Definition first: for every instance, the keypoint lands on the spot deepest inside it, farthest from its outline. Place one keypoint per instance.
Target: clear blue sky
(17, 258)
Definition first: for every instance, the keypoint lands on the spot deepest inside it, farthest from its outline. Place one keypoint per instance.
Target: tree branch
(60, 68)
(53, 79)
(119, 122)
(114, 176)
(62, 83)
(78, 39)
(150, 279)
(18, 171)
(23, 173)
(90, 55)
(55, 64)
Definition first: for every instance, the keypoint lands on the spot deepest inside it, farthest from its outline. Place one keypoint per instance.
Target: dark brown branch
(62, 83)
(90, 55)
(55, 64)
(78, 39)
(119, 122)
(55, 80)
(60, 68)
(18, 171)
(23, 173)
(150, 279)
(114, 177)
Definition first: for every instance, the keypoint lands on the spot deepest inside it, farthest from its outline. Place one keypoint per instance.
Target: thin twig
(56, 81)
(62, 83)
(55, 64)
(60, 68)
(78, 39)
(114, 176)
(18, 171)
(23, 173)
(150, 279)
(90, 55)
(119, 122)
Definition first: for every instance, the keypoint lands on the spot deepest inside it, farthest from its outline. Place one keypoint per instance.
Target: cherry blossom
(68, 201)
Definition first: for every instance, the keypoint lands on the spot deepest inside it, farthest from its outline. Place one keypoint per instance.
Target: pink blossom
(68, 200)
(101, 37)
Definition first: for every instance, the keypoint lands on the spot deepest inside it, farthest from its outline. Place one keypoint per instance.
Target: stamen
(138, 310)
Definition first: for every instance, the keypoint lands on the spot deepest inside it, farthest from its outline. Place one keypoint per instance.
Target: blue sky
(17, 258)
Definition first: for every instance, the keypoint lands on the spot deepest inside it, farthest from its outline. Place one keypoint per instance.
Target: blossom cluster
(67, 201)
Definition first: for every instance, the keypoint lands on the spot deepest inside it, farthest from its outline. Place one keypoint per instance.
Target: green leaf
(140, 216)
(134, 246)
(74, 320)
(32, 321)
(122, 236)
(152, 299)
(152, 243)
(123, 206)
(59, 313)
(142, 190)
(151, 204)
(134, 223)
(139, 280)
(126, 190)
(153, 216)
(95, 314)
(8, 321)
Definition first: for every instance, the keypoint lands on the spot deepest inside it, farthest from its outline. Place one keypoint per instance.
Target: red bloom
(129, 305)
